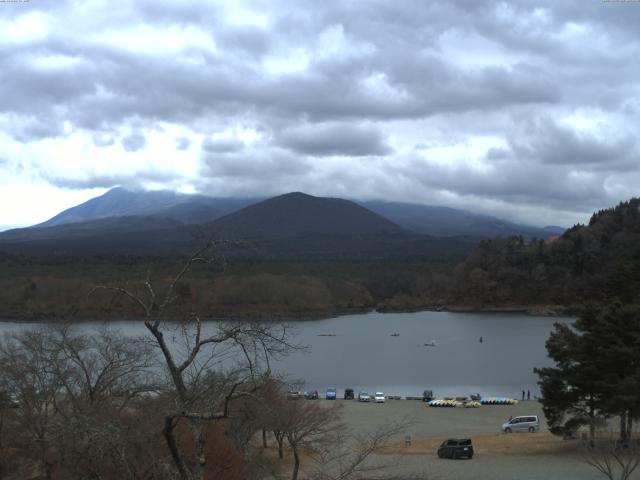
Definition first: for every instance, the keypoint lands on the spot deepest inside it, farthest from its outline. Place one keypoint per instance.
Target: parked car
(456, 448)
(364, 397)
(348, 394)
(378, 397)
(294, 394)
(312, 395)
(331, 393)
(526, 423)
(427, 396)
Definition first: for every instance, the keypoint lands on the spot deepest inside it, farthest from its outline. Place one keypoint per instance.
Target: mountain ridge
(201, 209)
(294, 226)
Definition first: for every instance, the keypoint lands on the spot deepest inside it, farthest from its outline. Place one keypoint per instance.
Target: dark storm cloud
(334, 139)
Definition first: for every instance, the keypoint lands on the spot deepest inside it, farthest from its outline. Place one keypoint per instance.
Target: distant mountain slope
(103, 226)
(447, 222)
(119, 202)
(191, 213)
(301, 215)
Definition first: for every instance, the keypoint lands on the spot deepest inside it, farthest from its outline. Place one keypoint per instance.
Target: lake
(363, 354)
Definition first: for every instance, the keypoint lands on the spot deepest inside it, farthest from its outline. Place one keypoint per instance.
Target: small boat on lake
(432, 343)
(326, 334)
(395, 334)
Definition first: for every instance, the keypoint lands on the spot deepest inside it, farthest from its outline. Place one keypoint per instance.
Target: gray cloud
(133, 142)
(182, 143)
(545, 165)
(102, 139)
(222, 145)
(467, 83)
(266, 164)
(551, 143)
(334, 139)
(126, 180)
(33, 128)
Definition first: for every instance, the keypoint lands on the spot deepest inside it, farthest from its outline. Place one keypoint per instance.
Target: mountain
(119, 202)
(301, 215)
(200, 209)
(291, 226)
(447, 222)
(300, 226)
(294, 225)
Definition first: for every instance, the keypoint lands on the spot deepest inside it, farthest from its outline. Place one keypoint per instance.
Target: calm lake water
(363, 355)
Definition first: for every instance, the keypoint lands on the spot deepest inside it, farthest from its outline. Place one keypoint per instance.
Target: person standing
(528, 395)
(523, 395)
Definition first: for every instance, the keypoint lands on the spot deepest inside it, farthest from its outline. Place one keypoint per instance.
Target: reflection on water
(361, 352)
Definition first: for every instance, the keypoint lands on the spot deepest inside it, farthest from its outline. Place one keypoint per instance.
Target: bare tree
(344, 455)
(72, 394)
(29, 380)
(240, 353)
(102, 376)
(306, 424)
(105, 367)
(613, 459)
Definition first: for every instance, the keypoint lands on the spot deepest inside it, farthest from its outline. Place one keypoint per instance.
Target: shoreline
(533, 311)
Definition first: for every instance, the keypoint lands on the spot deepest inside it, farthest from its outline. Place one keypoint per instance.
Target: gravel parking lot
(522, 456)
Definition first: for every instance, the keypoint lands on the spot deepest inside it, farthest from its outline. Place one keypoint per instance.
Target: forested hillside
(587, 263)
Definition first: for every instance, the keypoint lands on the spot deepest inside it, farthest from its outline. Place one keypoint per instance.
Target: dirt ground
(498, 456)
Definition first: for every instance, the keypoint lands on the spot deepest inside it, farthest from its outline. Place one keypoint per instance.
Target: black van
(456, 448)
(348, 394)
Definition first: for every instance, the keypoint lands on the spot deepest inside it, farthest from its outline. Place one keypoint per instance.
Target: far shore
(281, 317)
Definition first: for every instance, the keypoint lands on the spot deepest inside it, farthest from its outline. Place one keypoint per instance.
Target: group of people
(528, 395)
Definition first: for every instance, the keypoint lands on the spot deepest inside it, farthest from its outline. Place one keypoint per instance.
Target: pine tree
(597, 371)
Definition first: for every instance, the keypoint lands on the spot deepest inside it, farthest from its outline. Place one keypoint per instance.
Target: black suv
(348, 394)
(456, 448)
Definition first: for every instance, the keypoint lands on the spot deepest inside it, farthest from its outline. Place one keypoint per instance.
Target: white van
(526, 423)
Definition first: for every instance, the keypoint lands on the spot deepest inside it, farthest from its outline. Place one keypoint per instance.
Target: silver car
(525, 423)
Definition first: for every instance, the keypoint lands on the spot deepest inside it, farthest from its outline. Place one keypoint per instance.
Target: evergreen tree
(597, 372)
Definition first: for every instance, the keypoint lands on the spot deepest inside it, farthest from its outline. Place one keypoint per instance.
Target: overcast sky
(526, 110)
